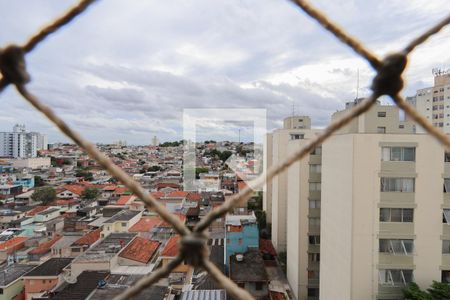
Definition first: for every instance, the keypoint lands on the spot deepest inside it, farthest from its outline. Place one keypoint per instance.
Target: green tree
(45, 195)
(225, 155)
(38, 181)
(88, 176)
(200, 170)
(154, 169)
(90, 193)
(413, 292)
(439, 290)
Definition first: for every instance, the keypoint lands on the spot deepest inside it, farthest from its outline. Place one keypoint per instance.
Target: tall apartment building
(275, 197)
(434, 102)
(21, 144)
(382, 208)
(292, 204)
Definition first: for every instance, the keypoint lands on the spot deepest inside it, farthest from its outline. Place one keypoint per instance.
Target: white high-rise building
(21, 144)
(434, 102)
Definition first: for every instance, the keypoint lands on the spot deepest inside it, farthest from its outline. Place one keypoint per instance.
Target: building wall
(249, 237)
(34, 287)
(14, 289)
(351, 202)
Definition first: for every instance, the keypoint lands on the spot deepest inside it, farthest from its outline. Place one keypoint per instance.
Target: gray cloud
(126, 70)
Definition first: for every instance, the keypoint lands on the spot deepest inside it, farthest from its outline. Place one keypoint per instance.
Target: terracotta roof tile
(171, 249)
(88, 239)
(12, 242)
(177, 194)
(165, 224)
(194, 196)
(140, 249)
(125, 199)
(145, 224)
(45, 247)
(76, 189)
(158, 195)
(37, 210)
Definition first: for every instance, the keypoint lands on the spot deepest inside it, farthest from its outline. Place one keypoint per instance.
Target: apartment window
(314, 257)
(398, 154)
(395, 277)
(124, 224)
(405, 215)
(317, 151)
(401, 126)
(446, 216)
(314, 203)
(314, 186)
(447, 185)
(314, 221)
(381, 129)
(441, 106)
(315, 168)
(396, 246)
(313, 292)
(435, 107)
(446, 247)
(297, 136)
(441, 97)
(447, 157)
(258, 286)
(313, 274)
(314, 239)
(381, 114)
(445, 276)
(392, 184)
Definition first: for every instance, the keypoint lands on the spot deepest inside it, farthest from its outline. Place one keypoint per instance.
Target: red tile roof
(171, 249)
(162, 185)
(158, 195)
(121, 190)
(234, 228)
(110, 188)
(194, 196)
(12, 242)
(145, 224)
(37, 210)
(124, 199)
(140, 249)
(75, 189)
(45, 247)
(88, 239)
(165, 224)
(177, 194)
(266, 246)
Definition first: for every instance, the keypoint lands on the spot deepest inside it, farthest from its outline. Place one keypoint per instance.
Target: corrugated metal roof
(204, 295)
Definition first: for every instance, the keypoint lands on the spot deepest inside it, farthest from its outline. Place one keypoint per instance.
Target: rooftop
(140, 250)
(145, 224)
(12, 242)
(13, 272)
(171, 249)
(107, 248)
(52, 267)
(122, 216)
(86, 283)
(88, 239)
(204, 295)
(250, 269)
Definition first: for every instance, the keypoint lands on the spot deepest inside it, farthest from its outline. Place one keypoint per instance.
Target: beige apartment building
(275, 197)
(292, 204)
(385, 209)
(434, 102)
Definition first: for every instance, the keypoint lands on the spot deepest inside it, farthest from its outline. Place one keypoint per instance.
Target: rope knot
(12, 65)
(193, 248)
(389, 80)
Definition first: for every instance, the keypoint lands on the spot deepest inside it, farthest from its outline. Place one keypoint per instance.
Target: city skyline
(179, 63)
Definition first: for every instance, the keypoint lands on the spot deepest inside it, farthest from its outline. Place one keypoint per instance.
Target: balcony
(314, 195)
(315, 159)
(387, 260)
(397, 229)
(397, 197)
(314, 213)
(407, 168)
(390, 292)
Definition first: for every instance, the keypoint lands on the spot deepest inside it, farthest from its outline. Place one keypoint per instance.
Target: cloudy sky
(125, 70)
